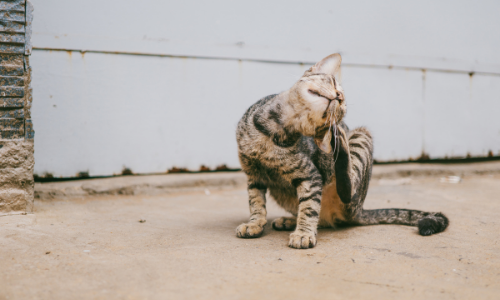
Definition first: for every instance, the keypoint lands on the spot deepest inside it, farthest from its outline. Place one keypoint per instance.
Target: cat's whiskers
(336, 141)
(331, 120)
(333, 128)
(326, 120)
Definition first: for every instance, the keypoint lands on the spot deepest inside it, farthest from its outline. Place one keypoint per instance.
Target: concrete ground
(97, 248)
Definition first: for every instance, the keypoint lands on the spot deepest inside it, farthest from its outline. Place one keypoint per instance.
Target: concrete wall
(158, 84)
(16, 127)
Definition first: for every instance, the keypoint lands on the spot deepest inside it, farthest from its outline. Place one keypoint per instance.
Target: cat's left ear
(328, 65)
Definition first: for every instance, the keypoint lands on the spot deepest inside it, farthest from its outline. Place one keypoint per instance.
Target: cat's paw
(249, 230)
(285, 223)
(432, 224)
(302, 240)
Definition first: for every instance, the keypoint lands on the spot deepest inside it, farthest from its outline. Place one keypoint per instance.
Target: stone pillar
(16, 128)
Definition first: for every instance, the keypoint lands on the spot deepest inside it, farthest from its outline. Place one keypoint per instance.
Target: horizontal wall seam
(267, 61)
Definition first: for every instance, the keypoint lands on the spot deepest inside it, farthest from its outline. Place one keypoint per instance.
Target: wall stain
(177, 170)
(203, 168)
(83, 174)
(222, 168)
(45, 175)
(127, 171)
(424, 156)
(424, 78)
(423, 159)
(270, 61)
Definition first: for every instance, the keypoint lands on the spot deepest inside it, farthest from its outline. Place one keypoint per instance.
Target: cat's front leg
(257, 202)
(309, 193)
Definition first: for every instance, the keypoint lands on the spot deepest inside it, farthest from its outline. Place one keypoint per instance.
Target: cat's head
(317, 100)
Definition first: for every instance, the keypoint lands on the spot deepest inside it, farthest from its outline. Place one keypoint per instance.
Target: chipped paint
(127, 171)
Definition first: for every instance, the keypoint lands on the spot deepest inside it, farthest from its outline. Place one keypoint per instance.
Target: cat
(296, 146)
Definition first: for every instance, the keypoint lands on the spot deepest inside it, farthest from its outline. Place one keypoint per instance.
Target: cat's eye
(315, 93)
(319, 95)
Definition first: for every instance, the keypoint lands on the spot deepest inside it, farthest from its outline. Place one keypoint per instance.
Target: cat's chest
(268, 170)
(270, 174)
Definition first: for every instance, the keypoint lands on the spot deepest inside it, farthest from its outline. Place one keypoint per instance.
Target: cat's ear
(328, 65)
(324, 143)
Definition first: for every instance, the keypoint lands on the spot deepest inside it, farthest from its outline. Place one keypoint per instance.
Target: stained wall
(154, 85)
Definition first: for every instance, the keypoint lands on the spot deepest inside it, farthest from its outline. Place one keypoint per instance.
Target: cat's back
(246, 121)
(246, 132)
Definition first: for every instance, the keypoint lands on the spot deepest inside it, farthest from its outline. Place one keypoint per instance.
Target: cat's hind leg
(353, 170)
(285, 223)
(353, 165)
(257, 202)
(287, 199)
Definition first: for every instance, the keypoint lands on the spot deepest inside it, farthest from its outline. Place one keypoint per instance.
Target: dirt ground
(97, 248)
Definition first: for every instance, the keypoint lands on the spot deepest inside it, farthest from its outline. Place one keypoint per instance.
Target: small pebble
(451, 179)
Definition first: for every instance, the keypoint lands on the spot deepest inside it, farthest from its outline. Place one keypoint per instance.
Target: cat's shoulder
(263, 101)
(254, 107)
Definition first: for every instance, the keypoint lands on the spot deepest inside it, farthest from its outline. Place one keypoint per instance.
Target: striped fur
(296, 146)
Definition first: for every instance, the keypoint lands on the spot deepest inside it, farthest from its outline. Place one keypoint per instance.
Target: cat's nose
(340, 97)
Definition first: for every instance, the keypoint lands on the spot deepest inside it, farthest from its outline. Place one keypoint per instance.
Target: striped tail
(428, 222)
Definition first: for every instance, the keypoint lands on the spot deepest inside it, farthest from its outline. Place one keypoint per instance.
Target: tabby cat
(296, 146)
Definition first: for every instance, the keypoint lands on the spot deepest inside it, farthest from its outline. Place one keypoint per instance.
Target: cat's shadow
(339, 232)
(229, 226)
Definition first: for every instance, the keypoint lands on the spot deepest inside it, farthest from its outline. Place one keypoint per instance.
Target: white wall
(406, 76)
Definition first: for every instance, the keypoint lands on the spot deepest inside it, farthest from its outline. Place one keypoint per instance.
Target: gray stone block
(11, 102)
(13, 201)
(16, 127)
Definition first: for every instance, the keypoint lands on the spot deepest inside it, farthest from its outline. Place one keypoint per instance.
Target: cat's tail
(428, 222)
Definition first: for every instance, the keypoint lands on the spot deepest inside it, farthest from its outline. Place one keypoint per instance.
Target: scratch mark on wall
(262, 60)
